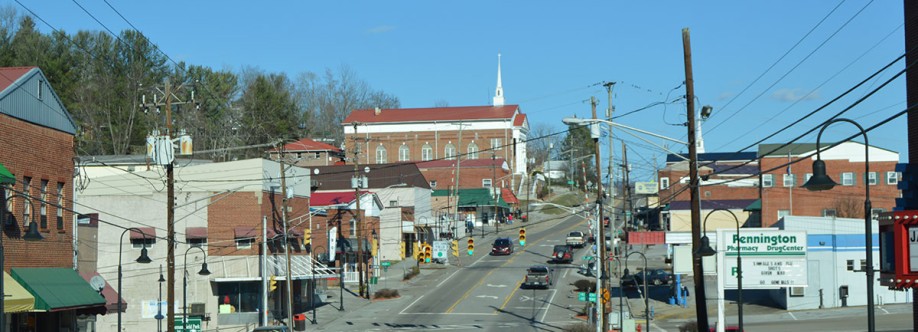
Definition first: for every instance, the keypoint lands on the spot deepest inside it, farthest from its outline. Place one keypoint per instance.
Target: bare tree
(540, 139)
(847, 207)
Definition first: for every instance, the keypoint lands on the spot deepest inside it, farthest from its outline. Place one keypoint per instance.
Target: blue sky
(555, 52)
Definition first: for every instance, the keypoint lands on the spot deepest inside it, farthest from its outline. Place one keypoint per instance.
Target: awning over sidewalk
(109, 293)
(58, 289)
(17, 298)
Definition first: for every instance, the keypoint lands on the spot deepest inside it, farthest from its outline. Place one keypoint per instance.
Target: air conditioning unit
(197, 309)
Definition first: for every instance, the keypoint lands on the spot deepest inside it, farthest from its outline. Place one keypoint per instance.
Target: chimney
(377, 111)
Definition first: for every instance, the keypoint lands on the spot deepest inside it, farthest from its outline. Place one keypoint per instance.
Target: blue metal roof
(30, 98)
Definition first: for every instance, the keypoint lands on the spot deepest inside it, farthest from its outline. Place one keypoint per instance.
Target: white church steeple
(499, 92)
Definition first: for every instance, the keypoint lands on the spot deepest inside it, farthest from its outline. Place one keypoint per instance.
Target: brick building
(306, 152)
(782, 194)
(37, 134)
(220, 207)
(475, 173)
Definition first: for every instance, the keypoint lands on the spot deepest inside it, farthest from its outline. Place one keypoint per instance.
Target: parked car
(653, 277)
(575, 239)
(562, 253)
(538, 276)
(502, 246)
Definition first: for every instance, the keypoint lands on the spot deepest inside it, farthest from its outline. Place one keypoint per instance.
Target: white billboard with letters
(771, 258)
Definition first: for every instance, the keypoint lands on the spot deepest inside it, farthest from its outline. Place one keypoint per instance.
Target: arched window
(449, 152)
(381, 155)
(473, 151)
(426, 152)
(404, 154)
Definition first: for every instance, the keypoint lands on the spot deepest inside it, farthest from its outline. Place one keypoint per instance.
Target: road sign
(193, 324)
(771, 258)
(582, 296)
(386, 264)
(570, 182)
(440, 248)
(587, 258)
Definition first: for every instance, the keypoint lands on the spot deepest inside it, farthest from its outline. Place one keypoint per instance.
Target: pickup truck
(575, 239)
(537, 276)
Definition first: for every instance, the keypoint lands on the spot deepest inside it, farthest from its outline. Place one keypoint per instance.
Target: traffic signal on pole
(401, 249)
(522, 236)
(272, 284)
(471, 246)
(455, 247)
(307, 237)
(428, 253)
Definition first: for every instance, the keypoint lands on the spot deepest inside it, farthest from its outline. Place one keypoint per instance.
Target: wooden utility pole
(496, 197)
(456, 182)
(170, 219)
(700, 297)
(601, 260)
(289, 287)
(357, 214)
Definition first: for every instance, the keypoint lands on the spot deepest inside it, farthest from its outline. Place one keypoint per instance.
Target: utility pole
(700, 297)
(609, 111)
(456, 186)
(628, 205)
(357, 214)
(494, 186)
(601, 260)
(286, 240)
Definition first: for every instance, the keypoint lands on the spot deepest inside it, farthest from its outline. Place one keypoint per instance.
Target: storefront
(60, 296)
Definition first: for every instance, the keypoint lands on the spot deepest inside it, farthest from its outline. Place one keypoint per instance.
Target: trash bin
(299, 322)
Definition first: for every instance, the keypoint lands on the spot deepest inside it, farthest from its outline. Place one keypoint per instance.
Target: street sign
(771, 258)
(440, 249)
(582, 296)
(587, 258)
(386, 264)
(570, 182)
(193, 324)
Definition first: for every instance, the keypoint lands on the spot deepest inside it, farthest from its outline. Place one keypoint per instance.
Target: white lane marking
(478, 260)
(498, 286)
(410, 305)
(550, 301)
(792, 315)
(447, 278)
(488, 296)
(564, 275)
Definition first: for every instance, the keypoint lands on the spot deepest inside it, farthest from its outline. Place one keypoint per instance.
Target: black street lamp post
(312, 296)
(203, 272)
(706, 250)
(143, 259)
(159, 304)
(31, 235)
(821, 181)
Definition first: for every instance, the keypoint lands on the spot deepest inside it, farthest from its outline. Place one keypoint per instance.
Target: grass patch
(386, 293)
(414, 271)
(567, 199)
(580, 327)
(584, 285)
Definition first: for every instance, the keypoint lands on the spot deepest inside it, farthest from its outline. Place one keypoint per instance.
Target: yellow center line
(516, 287)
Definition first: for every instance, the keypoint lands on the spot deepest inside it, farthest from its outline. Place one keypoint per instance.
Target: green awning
(6, 177)
(755, 206)
(57, 289)
(473, 197)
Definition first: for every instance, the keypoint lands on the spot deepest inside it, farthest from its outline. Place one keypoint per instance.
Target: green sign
(582, 296)
(570, 182)
(193, 324)
(386, 264)
(587, 258)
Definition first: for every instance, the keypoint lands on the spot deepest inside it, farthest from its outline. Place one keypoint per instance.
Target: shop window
(847, 179)
(243, 296)
(768, 180)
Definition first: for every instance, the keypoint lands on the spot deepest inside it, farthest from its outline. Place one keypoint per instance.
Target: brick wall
(675, 190)
(437, 140)
(469, 177)
(246, 209)
(42, 154)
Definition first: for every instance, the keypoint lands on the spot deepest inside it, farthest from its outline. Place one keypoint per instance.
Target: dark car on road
(562, 253)
(502, 246)
(653, 277)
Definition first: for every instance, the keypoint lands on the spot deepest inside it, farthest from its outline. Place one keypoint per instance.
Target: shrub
(584, 285)
(386, 293)
(580, 327)
(689, 327)
(412, 272)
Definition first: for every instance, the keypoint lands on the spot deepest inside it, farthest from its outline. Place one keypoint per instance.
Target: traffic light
(455, 247)
(471, 246)
(307, 237)
(401, 250)
(522, 236)
(428, 253)
(272, 284)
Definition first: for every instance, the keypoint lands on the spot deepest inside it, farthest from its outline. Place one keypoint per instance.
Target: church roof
(432, 114)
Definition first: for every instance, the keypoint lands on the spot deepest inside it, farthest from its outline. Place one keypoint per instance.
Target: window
(9, 206)
(449, 152)
(245, 296)
(27, 207)
(850, 265)
(143, 243)
(244, 243)
(41, 89)
(199, 243)
(404, 154)
(789, 180)
(707, 193)
(317, 155)
(872, 178)
(393, 203)
(433, 184)
(783, 213)
(473, 151)
(381, 154)
(486, 183)
(892, 178)
(847, 179)
(497, 144)
(863, 265)
(353, 230)
(807, 176)
(797, 291)
(43, 205)
(664, 183)
(426, 152)
(768, 180)
(828, 213)
(60, 205)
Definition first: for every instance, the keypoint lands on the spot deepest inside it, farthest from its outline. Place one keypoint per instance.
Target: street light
(143, 259)
(312, 296)
(32, 235)
(620, 288)
(706, 250)
(821, 181)
(159, 304)
(203, 272)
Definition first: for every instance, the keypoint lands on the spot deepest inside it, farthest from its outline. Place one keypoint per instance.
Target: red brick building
(306, 152)
(475, 173)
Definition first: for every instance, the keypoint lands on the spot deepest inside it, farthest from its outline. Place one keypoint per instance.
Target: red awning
(245, 232)
(195, 233)
(109, 293)
(508, 196)
(150, 233)
(293, 232)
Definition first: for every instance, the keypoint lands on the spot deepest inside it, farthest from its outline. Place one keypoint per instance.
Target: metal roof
(464, 113)
(25, 94)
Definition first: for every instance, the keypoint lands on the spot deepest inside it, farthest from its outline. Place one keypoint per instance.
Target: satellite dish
(366, 169)
(97, 283)
(315, 171)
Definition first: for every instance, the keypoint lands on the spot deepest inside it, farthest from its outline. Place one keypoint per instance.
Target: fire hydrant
(639, 328)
